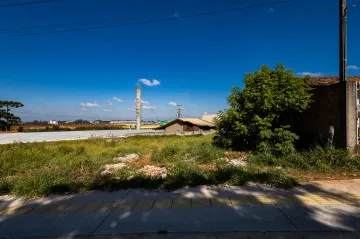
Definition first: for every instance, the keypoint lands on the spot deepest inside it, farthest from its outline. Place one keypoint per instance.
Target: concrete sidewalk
(315, 207)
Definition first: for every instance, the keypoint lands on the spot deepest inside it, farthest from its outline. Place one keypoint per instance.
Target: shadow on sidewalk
(295, 216)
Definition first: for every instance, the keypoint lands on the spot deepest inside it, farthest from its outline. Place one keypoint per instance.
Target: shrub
(259, 117)
(20, 129)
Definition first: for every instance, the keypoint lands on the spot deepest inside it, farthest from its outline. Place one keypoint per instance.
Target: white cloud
(311, 73)
(83, 109)
(88, 104)
(107, 110)
(149, 82)
(132, 109)
(117, 99)
(110, 103)
(172, 103)
(353, 67)
(149, 107)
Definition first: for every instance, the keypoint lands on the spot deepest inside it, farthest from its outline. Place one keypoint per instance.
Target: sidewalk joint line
(102, 222)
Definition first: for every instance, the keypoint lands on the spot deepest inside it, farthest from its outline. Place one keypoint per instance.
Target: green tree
(260, 115)
(8, 119)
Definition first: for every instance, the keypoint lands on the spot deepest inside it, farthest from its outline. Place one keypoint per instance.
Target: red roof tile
(330, 80)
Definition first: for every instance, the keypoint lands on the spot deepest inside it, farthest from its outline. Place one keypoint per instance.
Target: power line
(26, 3)
(95, 22)
(149, 21)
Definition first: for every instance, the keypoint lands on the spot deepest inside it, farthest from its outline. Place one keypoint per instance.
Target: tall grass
(38, 169)
(316, 159)
(34, 169)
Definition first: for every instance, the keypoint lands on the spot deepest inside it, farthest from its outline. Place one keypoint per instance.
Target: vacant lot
(37, 169)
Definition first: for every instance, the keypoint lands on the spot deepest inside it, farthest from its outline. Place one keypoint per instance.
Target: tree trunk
(7, 118)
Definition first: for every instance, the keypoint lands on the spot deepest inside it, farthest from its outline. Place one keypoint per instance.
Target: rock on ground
(238, 162)
(111, 168)
(127, 158)
(154, 172)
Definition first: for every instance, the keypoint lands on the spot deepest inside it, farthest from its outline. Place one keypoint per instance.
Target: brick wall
(172, 128)
(313, 125)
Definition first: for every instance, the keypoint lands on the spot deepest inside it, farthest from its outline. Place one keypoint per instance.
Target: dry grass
(38, 169)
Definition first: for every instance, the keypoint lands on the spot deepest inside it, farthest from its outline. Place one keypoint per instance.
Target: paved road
(68, 135)
(332, 206)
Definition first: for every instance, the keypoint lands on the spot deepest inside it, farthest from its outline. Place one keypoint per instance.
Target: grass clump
(316, 159)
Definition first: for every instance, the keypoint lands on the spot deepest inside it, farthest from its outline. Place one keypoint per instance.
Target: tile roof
(194, 121)
(330, 80)
(197, 121)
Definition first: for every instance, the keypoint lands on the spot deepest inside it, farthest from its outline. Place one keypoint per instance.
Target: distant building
(209, 117)
(123, 122)
(181, 125)
(131, 122)
(53, 122)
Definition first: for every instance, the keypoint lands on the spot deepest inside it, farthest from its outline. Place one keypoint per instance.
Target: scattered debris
(111, 168)
(238, 163)
(154, 172)
(235, 155)
(127, 158)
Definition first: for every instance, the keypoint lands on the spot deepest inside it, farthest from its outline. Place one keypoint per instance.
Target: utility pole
(179, 111)
(138, 107)
(343, 63)
(348, 101)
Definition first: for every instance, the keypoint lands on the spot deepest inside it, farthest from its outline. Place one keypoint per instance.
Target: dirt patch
(236, 155)
(210, 167)
(306, 176)
(142, 162)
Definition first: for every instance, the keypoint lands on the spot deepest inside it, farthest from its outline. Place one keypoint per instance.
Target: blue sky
(195, 61)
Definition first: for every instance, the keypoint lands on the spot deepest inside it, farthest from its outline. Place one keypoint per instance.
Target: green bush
(259, 117)
(20, 129)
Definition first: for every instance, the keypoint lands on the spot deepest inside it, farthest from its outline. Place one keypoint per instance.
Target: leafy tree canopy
(259, 117)
(8, 119)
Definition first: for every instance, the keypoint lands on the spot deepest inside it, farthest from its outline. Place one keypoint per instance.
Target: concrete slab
(96, 196)
(200, 202)
(324, 217)
(220, 202)
(90, 207)
(162, 204)
(260, 199)
(144, 205)
(181, 203)
(50, 225)
(240, 201)
(197, 220)
(107, 207)
(126, 205)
